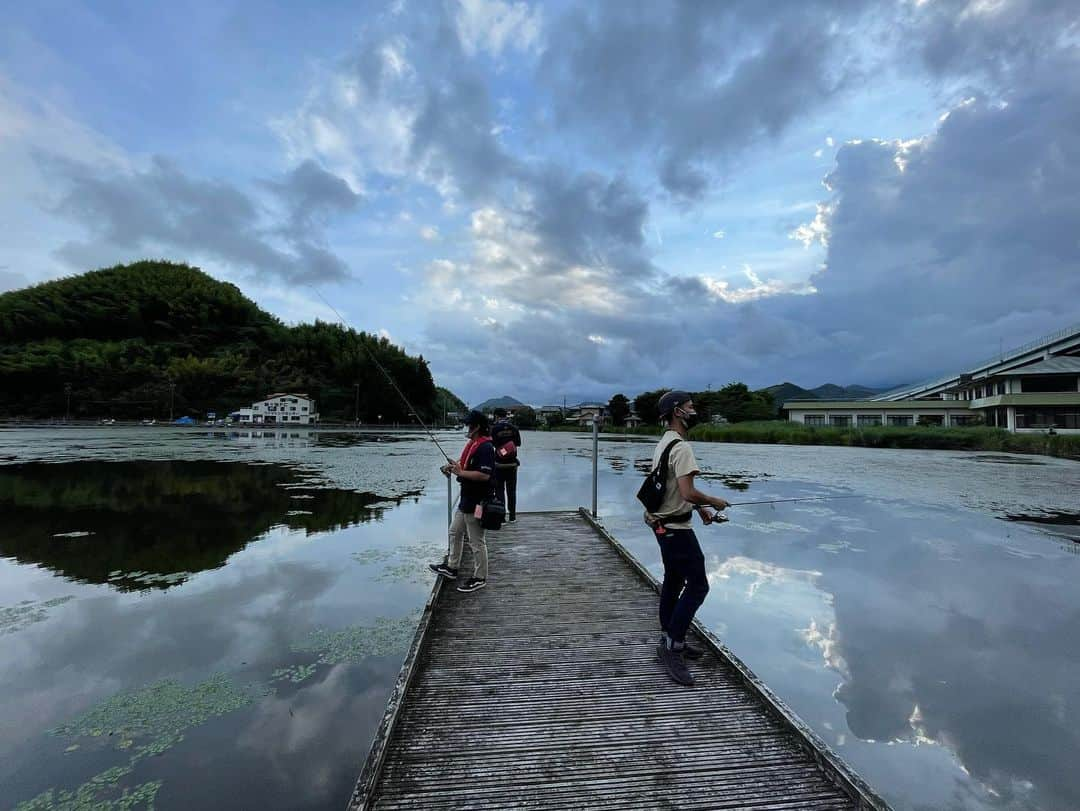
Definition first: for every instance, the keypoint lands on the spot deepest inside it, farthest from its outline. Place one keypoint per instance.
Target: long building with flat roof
(1033, 388)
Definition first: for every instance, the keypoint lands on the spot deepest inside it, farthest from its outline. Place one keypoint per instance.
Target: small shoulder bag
(651, 492)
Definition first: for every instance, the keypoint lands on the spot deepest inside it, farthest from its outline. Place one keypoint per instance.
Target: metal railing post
(595, 458)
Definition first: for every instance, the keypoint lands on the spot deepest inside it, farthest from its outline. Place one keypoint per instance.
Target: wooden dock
(543, 691)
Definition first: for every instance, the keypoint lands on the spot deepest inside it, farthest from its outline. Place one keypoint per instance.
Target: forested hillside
(133, 340)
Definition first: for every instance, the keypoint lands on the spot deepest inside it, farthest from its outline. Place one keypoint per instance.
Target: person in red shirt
(474, 471)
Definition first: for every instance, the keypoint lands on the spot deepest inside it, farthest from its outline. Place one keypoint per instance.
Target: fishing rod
(788, 500)
(718, 516)
(382, 369)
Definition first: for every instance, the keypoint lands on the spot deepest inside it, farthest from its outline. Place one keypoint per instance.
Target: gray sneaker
(688, 651)
(673, 663)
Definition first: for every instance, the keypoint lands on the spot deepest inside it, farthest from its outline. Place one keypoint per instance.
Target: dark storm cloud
(981, 226)
(1000, 41)
(588, 219)
(453, 133)
(695, 82)
(311, 195)
(162, 208)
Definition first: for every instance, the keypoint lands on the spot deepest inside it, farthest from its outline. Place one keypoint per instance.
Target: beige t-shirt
(681, 462)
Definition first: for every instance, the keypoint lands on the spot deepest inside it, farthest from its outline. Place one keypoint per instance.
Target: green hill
(505, 401)
(130, 338)
(789, 391)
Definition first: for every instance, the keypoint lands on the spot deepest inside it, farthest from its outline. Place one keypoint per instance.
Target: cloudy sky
(571, 199)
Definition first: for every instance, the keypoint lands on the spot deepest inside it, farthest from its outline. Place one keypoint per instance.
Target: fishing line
(375, 360)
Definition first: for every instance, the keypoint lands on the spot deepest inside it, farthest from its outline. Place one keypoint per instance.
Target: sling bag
(651, 492)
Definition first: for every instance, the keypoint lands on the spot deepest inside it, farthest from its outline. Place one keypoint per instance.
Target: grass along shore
(781, 432)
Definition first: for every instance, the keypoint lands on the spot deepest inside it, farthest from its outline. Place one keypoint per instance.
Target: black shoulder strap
(662, 467)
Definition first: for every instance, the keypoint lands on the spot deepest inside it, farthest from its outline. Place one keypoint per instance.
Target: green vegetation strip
(781, 432)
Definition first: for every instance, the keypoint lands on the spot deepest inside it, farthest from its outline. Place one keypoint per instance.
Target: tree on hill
(646, 404)
(135, 340)
(524, 417)
(736, 403)
(618, 409)
(446, 402)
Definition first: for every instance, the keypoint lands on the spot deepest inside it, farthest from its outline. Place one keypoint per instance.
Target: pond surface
(183, 611)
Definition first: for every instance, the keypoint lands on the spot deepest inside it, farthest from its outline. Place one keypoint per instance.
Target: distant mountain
(785, 391)
(830, 391)
(505, 401)
(789, 391)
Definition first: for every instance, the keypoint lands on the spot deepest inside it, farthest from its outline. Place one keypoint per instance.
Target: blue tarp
(184, 421)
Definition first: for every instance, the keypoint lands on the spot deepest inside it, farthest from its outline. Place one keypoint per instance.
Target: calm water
(183, 612)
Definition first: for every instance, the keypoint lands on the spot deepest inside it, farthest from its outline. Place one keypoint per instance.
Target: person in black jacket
(507, 440)
(474, 471)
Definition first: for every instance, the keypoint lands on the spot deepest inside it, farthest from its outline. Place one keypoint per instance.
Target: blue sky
(562, 199)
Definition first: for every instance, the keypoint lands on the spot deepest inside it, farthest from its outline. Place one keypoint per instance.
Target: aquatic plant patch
(351, 645)
(16, 617)
(147, 722)
(293, 673)
(101, 792)
(409, 561)
(367, 557)
(158, 713)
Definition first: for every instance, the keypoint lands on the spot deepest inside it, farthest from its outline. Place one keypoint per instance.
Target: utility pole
(172, 392)
(67, 410)
(357, 417)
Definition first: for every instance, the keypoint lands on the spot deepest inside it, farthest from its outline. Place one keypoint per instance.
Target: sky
(568, 200)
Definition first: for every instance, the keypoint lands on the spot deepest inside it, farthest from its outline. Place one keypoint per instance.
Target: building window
(964, 419)
(1046, 384)
(840, 420)
(1048, 417)
(868, 420)
(900, 420)
(814, 419)
(931, 419)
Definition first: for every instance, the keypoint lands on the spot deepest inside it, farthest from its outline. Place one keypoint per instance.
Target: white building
(1033, 389)
(279, 409)
(546, 413)
(585, 413)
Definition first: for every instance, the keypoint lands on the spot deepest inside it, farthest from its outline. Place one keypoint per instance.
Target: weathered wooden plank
(543, 691)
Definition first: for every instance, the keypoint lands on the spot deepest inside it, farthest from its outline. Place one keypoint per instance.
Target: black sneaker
(691, 652)
(688, 651)
(443, 569)
(472, 584)
(673, 663)
(511, 518)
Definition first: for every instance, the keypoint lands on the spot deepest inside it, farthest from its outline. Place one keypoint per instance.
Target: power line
(382, 369)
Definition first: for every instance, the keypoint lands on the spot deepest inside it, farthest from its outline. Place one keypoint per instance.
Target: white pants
(462, 523)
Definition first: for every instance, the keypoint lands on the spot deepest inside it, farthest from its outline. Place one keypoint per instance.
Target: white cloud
(429, 233)
(494, 25)
(720, 234)
(817, 230)
(757, 289)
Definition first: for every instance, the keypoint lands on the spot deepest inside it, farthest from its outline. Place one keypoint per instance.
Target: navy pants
(506, 486)
(685, 583)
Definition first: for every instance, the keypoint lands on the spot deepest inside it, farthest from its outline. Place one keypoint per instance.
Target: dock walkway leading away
(543, 691)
